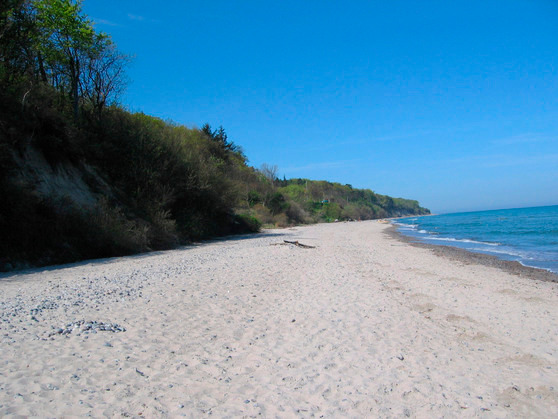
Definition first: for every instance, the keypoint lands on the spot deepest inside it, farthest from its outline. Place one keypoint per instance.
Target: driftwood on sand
(296, 243)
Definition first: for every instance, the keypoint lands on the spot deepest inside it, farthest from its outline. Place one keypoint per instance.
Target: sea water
(526, 235)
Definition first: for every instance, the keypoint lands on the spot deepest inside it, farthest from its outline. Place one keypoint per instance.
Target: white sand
(361, 326)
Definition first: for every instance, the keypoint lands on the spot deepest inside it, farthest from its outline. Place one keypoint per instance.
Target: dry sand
(363, 325)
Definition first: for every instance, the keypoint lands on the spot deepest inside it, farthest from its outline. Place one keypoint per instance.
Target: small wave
(538, 267)
(407, 226)
(503, 252)
(451, 239)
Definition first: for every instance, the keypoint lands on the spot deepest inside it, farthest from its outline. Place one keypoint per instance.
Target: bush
(277, 203)
(281, 221)
(162, 232)
(120, 236)
(297, 214)
(331, 211)
(254, 198)
(262, 214)
(248, 223)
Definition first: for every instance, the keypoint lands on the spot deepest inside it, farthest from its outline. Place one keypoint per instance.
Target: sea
(526, 235)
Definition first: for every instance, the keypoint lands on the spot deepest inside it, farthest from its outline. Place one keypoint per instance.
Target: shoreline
(468, 257)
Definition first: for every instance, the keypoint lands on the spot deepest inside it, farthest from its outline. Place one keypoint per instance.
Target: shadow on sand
(14, 275)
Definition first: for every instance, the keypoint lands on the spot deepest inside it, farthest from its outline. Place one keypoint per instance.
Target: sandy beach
(362, 325)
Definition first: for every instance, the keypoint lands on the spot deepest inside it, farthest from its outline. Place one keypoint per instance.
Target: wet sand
(464, 256)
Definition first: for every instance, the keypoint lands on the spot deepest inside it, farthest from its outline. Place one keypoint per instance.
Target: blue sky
(453, 103)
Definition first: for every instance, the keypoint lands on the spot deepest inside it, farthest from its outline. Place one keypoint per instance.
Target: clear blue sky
(453, 103)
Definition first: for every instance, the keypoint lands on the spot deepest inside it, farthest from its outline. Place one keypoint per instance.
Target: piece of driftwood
(296, 243)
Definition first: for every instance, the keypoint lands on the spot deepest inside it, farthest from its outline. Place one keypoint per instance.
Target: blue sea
(525, 235)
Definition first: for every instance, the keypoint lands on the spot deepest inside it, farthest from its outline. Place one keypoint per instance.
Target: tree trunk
(42, 71)
(74, 80)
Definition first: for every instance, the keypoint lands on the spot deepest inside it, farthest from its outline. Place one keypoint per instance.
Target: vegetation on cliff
(81, 177)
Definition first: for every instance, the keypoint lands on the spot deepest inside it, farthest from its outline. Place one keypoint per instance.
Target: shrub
(262, 214)
(120, 235)
(281, 220)
(248, 223)
(332, 211)
(254, 198)
(297, 214)
(277, 203)
(162, 232)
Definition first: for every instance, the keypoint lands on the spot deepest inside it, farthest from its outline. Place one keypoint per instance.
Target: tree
(221, 140)
(276, 203)
(103, 75)
(269, 172)
(17, 31)
(66, 39)
(52, 42)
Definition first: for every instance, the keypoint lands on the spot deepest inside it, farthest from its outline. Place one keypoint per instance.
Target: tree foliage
(52, 42)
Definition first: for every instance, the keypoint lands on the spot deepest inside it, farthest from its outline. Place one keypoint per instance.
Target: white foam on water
(451, 239)
(503, 252)
(537, 267)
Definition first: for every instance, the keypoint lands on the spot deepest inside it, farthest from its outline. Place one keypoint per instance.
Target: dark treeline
(81, 177)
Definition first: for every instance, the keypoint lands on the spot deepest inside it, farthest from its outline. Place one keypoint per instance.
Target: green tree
(17, 52)
(66, 41)
(276, 203)
(221, 142)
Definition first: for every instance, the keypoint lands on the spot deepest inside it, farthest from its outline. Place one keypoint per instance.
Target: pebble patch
(82, 326)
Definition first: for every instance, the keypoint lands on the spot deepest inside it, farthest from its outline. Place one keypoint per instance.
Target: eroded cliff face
(55, 212)
(78, 183)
